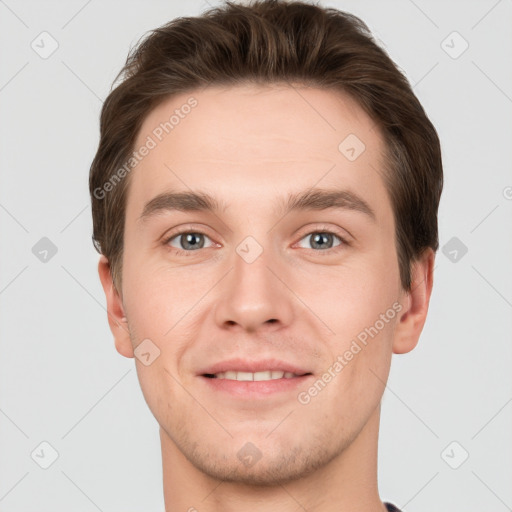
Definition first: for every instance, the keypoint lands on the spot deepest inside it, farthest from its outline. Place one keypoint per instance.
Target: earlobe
(115, 310)
(410, 324)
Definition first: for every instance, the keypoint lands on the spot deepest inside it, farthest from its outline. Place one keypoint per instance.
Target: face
(253, 286)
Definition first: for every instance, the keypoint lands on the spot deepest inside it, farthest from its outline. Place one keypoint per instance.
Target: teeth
(246, 376)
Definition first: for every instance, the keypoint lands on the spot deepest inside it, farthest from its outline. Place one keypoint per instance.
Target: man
(265, 197)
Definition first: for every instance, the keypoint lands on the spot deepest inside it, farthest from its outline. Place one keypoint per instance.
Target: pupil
(192, 238)
(325, 237)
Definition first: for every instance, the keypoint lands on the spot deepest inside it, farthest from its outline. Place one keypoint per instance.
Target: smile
(256, 376)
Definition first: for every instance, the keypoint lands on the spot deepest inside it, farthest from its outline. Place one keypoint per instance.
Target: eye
(188, 241)
(323, 240)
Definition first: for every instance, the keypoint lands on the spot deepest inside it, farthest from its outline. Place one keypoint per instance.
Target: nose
(254, 295)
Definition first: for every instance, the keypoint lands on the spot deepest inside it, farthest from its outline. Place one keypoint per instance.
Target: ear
(115, 310)
(410, 324)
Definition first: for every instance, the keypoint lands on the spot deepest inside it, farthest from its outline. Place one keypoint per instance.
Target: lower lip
(255, 389)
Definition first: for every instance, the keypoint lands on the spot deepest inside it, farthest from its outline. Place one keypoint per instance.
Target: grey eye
(189, 241)
(321, 239)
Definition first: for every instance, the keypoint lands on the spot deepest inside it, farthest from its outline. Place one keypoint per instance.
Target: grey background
(61, 380)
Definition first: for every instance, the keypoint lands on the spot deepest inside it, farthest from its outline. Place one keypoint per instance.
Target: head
(271, 124)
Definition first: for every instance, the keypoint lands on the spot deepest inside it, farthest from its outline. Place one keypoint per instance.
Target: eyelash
(181, 252)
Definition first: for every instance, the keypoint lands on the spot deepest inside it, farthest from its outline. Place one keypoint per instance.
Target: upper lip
(252, 366)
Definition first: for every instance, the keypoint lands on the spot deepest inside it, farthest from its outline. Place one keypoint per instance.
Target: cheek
(358, 368)
(151, 298)
(359, 304)
(352, 296)
(159, 307)
(159, 388)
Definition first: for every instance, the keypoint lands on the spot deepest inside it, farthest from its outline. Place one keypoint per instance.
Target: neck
(348, 483)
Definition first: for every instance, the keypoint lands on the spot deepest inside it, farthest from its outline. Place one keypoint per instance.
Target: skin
(248, 146)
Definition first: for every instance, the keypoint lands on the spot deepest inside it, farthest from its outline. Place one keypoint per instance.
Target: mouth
(253, 386)
(252, 379)
(261, 376)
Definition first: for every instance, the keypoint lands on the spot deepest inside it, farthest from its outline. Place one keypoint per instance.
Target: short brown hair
(265, 42)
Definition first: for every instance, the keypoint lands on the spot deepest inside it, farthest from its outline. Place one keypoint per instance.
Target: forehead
(246, 142)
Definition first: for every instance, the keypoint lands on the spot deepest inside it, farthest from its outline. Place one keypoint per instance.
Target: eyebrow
(314, 199)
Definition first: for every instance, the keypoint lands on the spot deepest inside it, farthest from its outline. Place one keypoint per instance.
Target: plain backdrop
(445, 440)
